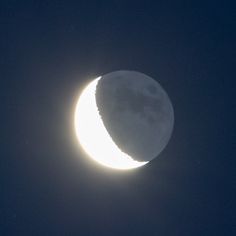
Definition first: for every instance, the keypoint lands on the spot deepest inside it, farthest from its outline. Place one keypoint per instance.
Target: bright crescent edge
(94, 137)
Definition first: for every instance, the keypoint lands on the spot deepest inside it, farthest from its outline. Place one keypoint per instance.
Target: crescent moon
(93, 136)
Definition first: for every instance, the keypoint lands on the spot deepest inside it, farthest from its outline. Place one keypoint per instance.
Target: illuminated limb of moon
(93, 136)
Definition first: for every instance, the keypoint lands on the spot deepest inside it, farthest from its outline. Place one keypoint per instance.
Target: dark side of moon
(137, 113)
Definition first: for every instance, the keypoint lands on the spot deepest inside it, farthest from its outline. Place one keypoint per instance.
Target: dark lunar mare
(136, 112)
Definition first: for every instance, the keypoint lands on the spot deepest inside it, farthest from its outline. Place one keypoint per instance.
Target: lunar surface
(124, 119)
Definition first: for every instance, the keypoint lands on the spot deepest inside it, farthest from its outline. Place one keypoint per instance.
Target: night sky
(49, 50)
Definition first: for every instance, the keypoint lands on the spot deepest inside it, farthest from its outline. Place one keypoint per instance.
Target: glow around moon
(93, 136)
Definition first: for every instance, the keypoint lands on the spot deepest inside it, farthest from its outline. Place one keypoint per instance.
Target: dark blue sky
(49, 50)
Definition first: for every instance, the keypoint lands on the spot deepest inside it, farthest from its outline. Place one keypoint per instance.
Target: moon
(123, 119)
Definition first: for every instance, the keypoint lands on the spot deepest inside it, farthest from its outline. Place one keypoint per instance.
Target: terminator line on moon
(123, 119)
